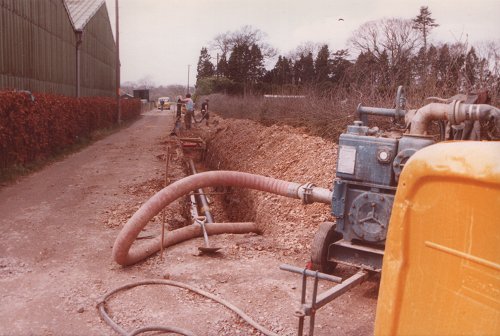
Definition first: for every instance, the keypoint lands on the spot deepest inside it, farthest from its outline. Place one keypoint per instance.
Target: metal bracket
(318, 301)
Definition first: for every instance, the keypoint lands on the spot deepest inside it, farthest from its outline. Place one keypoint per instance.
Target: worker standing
(189, 111)
(204, 111)
(179, 107)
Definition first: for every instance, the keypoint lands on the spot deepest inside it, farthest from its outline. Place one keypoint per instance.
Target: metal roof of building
(81, 11)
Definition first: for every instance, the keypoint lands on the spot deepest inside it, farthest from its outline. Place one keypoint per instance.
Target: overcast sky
(160, 38)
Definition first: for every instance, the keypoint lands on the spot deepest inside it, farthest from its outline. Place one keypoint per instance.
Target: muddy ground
(59, 224)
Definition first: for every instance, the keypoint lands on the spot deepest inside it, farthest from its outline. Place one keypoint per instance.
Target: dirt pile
(280, 152)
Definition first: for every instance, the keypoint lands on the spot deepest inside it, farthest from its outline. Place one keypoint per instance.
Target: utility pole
(188, 78)
(117, 70)
(79, 40)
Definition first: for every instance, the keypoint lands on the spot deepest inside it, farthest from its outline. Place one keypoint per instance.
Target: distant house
(142, 94)
(59, 46)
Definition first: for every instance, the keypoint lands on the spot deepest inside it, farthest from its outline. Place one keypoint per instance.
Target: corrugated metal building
(59, 46)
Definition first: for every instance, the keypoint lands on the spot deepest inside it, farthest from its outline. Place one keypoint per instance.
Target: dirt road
(58, 227)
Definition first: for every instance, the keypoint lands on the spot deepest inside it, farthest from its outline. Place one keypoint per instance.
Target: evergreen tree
(419, 67)
(297, 70)
(222, 67)
(274, 76)
(256, 66)
(363, 71)
(280, 71)
(384, 75)
(205, 67)
(281, 74)
(442, 62)
(291, 72)
(237, 65)
(245, 65)
(308, 68)
(322, 65)
(424, 23)
(340, 66)
(304, 69)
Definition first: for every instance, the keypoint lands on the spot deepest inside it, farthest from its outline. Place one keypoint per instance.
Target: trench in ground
(288, 225)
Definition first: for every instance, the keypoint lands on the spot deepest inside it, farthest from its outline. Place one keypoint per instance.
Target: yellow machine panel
(441, 268)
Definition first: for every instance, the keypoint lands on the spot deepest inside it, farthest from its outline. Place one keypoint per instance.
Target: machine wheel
(325, 236)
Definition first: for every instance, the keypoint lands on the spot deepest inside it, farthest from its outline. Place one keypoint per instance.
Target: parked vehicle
(163, 103)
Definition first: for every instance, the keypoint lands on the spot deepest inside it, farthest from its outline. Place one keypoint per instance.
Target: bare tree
(222, 43)
(305, 49)
(400, 40)
(394, 36)
(146, 82)
(366, 39)
(490, 51)
(247, 35)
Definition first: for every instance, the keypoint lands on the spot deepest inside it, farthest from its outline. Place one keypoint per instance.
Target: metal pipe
(455, 112)
(380, 111)
(310, 273)
(123, 243)
(200, 195)
(193, 206)
(336, 291)
(302, 301)
(312, 318)
(309, 193)
(117, 65)
(79, 40)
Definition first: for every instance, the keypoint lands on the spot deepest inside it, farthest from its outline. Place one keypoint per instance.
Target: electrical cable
(121, 331)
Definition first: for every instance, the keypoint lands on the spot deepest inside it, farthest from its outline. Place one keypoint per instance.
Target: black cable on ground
(121, 331)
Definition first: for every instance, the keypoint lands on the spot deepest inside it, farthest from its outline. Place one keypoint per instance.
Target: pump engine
(368, 168)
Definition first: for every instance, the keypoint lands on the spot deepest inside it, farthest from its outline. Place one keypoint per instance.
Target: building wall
(38, 50)
(98, 57)
(37, 47)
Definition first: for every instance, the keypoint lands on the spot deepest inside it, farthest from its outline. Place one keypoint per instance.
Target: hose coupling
(307, 193)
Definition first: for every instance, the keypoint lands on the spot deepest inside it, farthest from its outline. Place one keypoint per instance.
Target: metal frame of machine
(369, 164)
(368, 168)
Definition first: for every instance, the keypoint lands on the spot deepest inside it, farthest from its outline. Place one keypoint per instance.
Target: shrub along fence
(37, 127)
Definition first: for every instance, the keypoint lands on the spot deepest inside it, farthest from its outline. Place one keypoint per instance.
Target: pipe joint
(452, 112)
(455, 112)
(306, 192)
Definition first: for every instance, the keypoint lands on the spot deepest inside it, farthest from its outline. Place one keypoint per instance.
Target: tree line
(389, 52)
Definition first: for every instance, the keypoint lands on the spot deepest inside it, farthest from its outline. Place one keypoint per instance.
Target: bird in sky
(340, 19)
